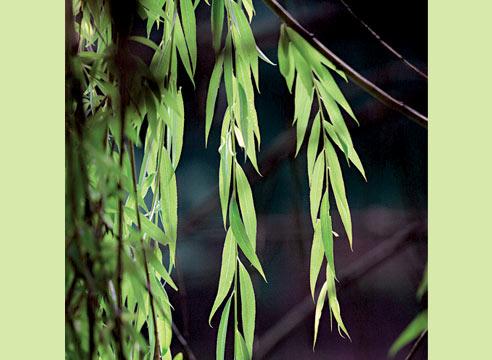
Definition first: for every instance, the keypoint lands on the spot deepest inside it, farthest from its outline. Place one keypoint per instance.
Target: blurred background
(379, 279)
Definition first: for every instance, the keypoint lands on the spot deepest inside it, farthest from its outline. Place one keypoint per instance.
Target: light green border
(32, 180)
(460, 162)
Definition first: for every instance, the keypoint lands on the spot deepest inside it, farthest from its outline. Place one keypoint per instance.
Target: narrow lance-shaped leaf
(189, 26)
(317, 255)
(240, 349)
(246, 203)
(302, 108)
(333, 301)
(411, 332)
(213, 88)
(336, 181)
(352, 155)
(326, 231)
(317, 186)
(319, 309)
(227, 270)
(313, 146)
(179, 39)
(217, 15)
(285, 58)
(248, 307)
(169, 199)
(222, 333)
(242, 238)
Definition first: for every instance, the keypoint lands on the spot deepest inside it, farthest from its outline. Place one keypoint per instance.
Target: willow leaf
(240, 349)
(332, 88)
(248, 307)
(319, 308)
(246, 204)
(336, 181)
(148, 227)
(169, 197)
(302, 108)
(213, 88)
(182, 49)
(285, 58)
(225, 173)
(317, 186)
(316, 257)
(160, 269)
(227, 271)
(189, 27)
(228, 72)
(217, 22)
(241, 237)
(312, 148)
(352, 155)
(326, 231)
(222, 333)
(411, 332)
(333, 301)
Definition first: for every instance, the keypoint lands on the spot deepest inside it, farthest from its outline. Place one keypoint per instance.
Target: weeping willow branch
(382, 42)
(362, 267)
(357, 78)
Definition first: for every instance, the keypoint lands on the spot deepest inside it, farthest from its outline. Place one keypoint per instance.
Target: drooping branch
(416, 345)
(382, 42)
(357, 78)
(359, 269)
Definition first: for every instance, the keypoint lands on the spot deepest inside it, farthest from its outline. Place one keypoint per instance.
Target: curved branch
(382, 42)
(357, 78)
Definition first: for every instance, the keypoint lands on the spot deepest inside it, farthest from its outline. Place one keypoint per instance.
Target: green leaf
(177, 118)
(227, 270)
(352, 155)
(222, 333)
(303, 69)
(217, 22)
(337, 119)
(333, 301)
(213, 88)
(148, 227)
(250, 10)
(160, 269)
(317, 186)
(302, 109)
(313, 145)
(329, 84)
(241, 237)
(143, 40)
(248, 307)
(182, 49)
(189, 27)
(327, 231)
(246, 203)
(169, 198)
(228, 72)
(285, 58)
(319, 308)
(336, 181)
(225, 173)
(423, 285)
(179, 356)
(411, 332)
(240, 349)
(317, 255)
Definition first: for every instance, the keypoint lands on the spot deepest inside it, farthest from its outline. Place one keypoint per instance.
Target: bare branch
(357, 78)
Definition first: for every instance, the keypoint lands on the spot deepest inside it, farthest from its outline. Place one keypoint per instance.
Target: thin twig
(295, 317)
(382, 42)
(357, 78)
(183, 342)
(416, 345)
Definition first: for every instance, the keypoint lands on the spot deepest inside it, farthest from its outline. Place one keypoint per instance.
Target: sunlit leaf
(227, 270)
(410, 333)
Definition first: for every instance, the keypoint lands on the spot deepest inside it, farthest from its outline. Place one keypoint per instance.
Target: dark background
(377, 301)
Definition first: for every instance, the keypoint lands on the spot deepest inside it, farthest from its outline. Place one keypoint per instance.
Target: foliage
(121, 220)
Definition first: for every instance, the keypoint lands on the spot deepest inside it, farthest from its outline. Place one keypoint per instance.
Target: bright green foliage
(116, 280)
(237, 64)
(299, 62)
